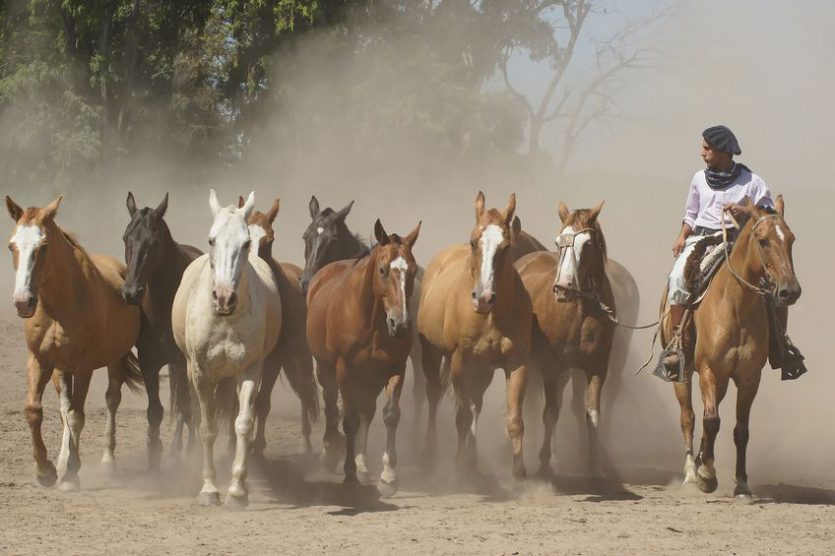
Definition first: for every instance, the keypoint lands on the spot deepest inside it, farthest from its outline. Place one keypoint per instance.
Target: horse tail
(302, 381)
(226, 405)
(132, 375)
(179, 392)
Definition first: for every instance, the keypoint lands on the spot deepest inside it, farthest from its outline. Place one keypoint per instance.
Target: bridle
(565, 245)
(768, 289)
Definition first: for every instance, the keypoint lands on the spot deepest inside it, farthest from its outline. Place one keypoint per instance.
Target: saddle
(702, 264)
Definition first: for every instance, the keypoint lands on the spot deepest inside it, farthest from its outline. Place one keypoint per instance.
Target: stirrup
(793, 367)
(671, 375)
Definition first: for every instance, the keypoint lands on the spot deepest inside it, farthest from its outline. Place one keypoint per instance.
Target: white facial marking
(567, 267)
(230, 233)
(319, 230)
(490, 240)
(256, 233)
(26, 239)
(401, 266)
(780, 233)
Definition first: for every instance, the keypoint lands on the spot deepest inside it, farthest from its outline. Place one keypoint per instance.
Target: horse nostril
(214, 295)
(492, 298)
(233, 299)
(474, 294)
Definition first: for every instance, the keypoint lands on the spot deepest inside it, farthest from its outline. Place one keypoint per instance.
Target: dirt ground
(297, 508)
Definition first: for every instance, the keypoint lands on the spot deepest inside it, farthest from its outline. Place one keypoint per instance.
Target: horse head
(490, 245)
(394, 276)
(145, 239)
(229, 245)
(582, 251)
(324, 239)
(260, 226)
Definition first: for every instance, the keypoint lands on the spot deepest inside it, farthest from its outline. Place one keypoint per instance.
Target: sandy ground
(296, 507)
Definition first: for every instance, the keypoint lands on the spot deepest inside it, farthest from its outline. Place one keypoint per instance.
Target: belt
(703, 231)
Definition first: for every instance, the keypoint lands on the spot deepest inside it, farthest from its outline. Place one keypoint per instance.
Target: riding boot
(782, 353)
(673, 359)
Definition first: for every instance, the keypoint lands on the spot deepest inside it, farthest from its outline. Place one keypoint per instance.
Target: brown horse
(75, 322)
(476, 315)
(358, 328)
(571, 331)
(733, 338)
(291, 352)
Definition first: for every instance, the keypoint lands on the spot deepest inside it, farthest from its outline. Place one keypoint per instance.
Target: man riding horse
(721, 187)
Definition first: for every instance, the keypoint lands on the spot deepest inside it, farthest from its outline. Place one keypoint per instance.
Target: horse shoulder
(180, 308)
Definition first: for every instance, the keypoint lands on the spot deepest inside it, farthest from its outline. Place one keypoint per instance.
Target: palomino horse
(571, 329)
(226, 320)
(476, 315)
(155, 267)
(732, 341)
(328, 239)
(75, 322)
(291, 352)
(358, 328)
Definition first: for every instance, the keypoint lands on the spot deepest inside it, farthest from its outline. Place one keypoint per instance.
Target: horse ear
(163, 206)
(213, 202)
(52, 208)
(510, 210)
(563, 212)
(14, 209)
(130, 203)
(516, 226)
(380, 233)
(313, 206)
(344, 212)
(595, 212)
(248, 205)
(779, 205)
(413, 235)
(273, 212)
(479, 206)
(241, 201)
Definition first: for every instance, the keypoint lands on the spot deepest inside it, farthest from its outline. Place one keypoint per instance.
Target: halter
(767, 279)
(565, 244)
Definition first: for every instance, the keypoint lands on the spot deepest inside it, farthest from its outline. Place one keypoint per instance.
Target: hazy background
(762, 68)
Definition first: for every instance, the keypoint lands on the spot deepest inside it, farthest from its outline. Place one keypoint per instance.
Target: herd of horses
(228, 321)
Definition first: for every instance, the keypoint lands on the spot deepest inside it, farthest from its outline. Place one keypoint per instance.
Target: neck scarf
(721, 180)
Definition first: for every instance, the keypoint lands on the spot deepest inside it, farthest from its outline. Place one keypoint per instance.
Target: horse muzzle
(25, 305)
(564, 294)
(225, 300)
(133, 294)
(787, 293)
(483, 303)
(397, 328)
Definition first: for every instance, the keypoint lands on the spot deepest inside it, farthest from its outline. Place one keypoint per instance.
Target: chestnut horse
(291, 352)
(75, 321)
(155, 267)
(226, 320)
(571, 331)
(732, 337)
(359, 330)
(476, 315)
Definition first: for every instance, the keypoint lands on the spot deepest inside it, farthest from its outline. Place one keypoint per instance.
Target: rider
(722, 185)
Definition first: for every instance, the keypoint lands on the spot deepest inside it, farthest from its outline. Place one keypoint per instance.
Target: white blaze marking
(399, 264)
(256, 234)
(230, 233)
(26, 239)
(490, 240)
(319, 230)
(780, 233)
(567, 270)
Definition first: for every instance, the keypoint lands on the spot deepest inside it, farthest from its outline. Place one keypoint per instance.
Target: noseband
(565, 244)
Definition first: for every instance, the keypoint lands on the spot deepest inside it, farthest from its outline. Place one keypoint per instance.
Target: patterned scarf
(721, 180)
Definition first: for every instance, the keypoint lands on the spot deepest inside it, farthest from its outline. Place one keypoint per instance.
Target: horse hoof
(48, 477)
(707, 485)
(237, 503)
(519, 472)
(362, 476)
(108, 460)
(69, 484)
(208, 499)
(387, 489)
(744, 499)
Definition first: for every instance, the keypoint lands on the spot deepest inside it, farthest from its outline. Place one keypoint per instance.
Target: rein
(756, 289)
(565, 243)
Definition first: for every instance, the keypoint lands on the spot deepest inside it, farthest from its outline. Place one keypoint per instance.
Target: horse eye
(764, 242)
(473, 243)
(11, 247)
(383, 270)
(211, 242)
(247, 243)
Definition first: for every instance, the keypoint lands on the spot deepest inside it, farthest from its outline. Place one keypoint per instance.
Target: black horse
(155, 267)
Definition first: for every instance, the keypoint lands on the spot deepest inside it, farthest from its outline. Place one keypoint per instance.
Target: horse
(475, 315)
(75, 321)
(571, 331)
(358, 328)
(327, 239)
(732, 340)
(226, 320)
(291, 352)
(155, 266)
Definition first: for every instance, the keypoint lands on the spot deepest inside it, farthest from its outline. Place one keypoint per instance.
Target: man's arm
(689, 221)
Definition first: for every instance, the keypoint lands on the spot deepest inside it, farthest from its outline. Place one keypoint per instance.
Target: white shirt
(704, 205)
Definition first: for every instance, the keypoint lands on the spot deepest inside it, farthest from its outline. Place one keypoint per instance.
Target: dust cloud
(756, 67)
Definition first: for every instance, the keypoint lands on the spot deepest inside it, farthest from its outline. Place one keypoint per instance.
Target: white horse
(226, 320)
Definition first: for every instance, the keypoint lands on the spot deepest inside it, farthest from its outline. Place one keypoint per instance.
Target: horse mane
(580, 217)
(72, 239)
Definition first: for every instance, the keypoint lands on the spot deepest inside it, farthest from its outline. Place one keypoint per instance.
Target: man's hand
(735, 209)
(678, 246)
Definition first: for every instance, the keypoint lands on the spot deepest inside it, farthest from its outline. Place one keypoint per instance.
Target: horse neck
(351, 246)
(371, 304)
(746, 262)
(65, 282)
(168, 274)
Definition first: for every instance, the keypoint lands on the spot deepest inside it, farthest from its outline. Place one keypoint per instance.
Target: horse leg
(713, 391)
(594, 389)
(205, 393)
(388, 484)
(419, 384)
(431, 364)
(36, 379)
(303, 366)
(746, 391)
(688, 419)
(554, 380)
(331, 441)
(461, 383)
(237, 497)
(113, 398)
(263, 404)
(63, 387)
(366, 411)
(350, 424)
(150, 374)
(75, 419)
(180, 400)
(516, 380)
